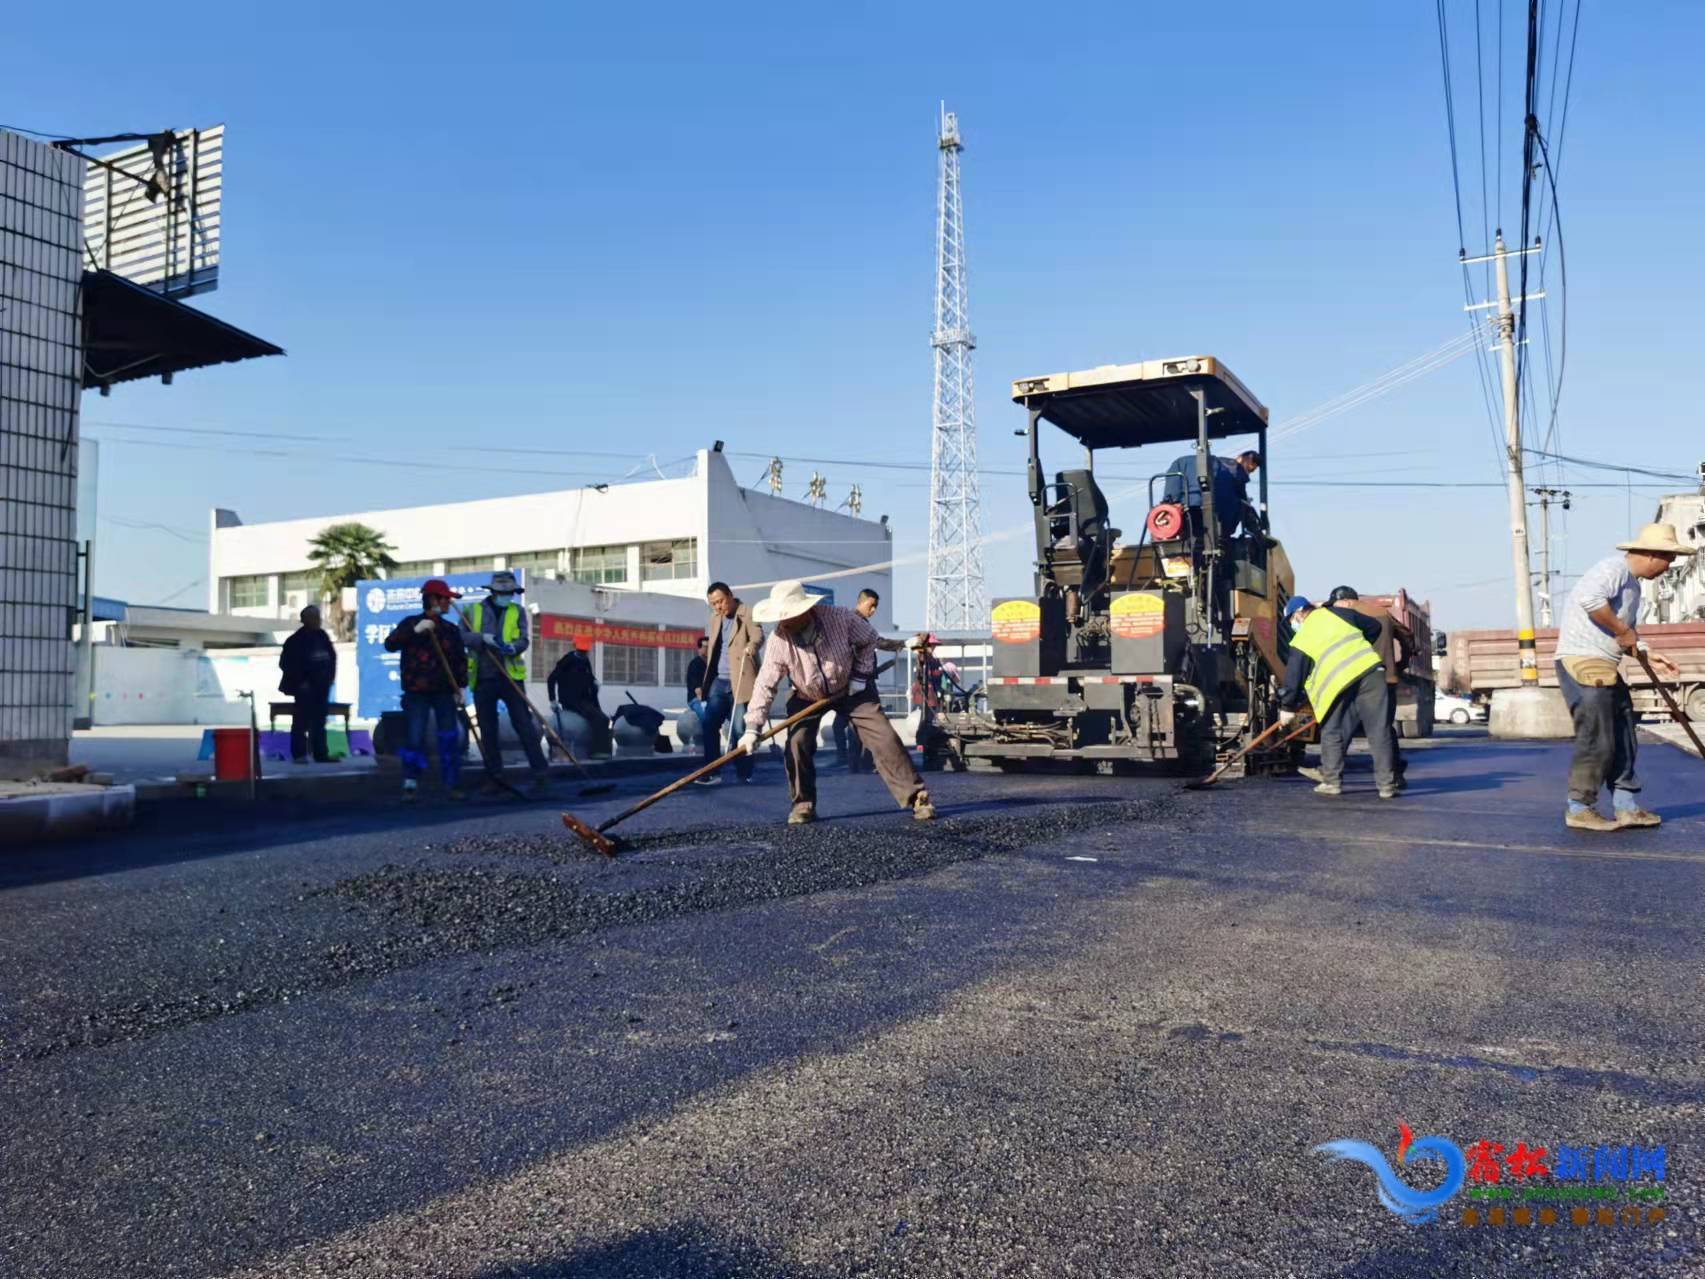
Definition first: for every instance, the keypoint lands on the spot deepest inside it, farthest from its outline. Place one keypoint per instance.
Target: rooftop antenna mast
(955, 600)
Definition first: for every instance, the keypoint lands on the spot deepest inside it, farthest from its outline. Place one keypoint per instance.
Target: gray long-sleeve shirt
(1611, 582)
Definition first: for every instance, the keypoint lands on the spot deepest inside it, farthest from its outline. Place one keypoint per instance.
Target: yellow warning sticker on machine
(1176, 566)
(1017, 622)
(1137, 616)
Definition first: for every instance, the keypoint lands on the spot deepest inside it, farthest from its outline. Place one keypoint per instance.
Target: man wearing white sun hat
(817, 646)
(1595, 630)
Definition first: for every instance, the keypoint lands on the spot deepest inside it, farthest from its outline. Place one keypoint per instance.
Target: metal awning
(131, 332)
(1129, 405)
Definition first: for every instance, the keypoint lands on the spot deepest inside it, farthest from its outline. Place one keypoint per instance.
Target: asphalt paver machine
(1164, 648)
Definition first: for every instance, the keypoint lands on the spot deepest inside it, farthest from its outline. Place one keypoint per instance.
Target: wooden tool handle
(1265, 733)
(455, 689)
(1675, 711)
(816, 708)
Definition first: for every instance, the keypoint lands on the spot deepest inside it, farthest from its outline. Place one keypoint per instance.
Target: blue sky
(646, 227)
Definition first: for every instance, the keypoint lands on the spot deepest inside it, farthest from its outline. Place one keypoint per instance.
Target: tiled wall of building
(41, 236)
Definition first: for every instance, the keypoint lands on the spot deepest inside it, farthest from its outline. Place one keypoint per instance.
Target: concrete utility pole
(1546, 496)
(1518, 490)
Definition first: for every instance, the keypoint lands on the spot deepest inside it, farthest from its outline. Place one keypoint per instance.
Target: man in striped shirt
(820, 649)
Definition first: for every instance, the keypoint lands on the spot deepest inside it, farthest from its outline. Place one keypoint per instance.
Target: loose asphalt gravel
(1078, 1026)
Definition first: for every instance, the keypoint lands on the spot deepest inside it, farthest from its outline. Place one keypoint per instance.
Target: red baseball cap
(438, 586)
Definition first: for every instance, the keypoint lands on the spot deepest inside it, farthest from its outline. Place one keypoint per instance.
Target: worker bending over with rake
(1334, 664)
(1597, 628)
(818, 648)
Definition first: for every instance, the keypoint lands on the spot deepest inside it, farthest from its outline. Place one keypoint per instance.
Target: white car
(1452, 709)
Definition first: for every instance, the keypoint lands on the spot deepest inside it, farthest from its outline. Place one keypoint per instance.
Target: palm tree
(346, 554)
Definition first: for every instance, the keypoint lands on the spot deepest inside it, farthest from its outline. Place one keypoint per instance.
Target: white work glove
(424, 625)
(1287, 718)
(749, 741)
(914, 642)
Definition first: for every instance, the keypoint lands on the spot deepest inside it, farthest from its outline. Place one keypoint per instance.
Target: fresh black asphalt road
(1078, 1026)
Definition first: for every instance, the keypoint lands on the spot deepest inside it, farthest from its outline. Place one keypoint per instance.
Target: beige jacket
(744, 641)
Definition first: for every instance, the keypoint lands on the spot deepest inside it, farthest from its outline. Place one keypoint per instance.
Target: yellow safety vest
(511, 628)
(1340, 653)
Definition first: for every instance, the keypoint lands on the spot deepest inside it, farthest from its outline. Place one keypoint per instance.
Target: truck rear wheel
(1694, 706)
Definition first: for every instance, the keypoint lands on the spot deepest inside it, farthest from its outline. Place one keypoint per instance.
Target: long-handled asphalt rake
(1211, 778)
(1675, 711)
(597, 836)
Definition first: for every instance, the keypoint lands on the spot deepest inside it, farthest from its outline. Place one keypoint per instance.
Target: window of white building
(600, 565)
(537, 563)
(413, 568)
(675, 663)
(544, 655)
(301, 590)
(668, 561)
(249, 591)
(628, 664)
(471, 564)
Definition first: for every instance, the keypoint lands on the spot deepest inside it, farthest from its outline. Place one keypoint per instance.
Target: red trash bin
(232, 759)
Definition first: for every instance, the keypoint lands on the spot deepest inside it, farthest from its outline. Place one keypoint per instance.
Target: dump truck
(1478, 663)
(1416, 682)
(1165, 648)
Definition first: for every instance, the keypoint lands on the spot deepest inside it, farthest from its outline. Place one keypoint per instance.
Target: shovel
(1674, 710)
(596, 836)
(1211, 778)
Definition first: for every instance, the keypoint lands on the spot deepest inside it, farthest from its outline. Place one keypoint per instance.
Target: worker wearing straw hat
(818, 647)
(1596, 629)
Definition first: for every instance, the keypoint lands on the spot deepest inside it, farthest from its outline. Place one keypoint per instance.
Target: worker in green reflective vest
(1334, 664)
(495, 633)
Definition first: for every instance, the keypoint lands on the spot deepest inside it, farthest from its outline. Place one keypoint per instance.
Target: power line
(37, 133)
(1450, 120)
(183, 535)
(181, 590)
(1481, 372)
(1530, 129)
(1591, 464)
(1563, 291)
(339, 439)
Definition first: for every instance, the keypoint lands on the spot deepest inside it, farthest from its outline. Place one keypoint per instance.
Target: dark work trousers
(1397, 760)
(1362, 702)
(720, 708)
(1605, 740)
(865, 711)
(308, 725)
(491, 690)
(1356, 726)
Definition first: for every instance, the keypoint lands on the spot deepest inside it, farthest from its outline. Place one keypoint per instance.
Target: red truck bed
(1478, 662)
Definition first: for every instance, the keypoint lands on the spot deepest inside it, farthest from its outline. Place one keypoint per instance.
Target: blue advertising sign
(827, 592)
(379, 606)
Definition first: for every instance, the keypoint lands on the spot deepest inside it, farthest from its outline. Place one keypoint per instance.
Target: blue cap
(1294, 603)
